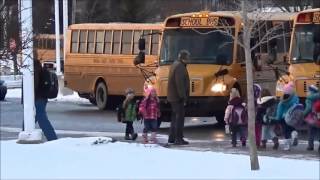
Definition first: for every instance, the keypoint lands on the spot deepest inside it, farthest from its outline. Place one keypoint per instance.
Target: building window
(74, 41)
(116, 42)
(99, 42)
(126, 42)
(91, 41)
(83, 41)
(107, 42)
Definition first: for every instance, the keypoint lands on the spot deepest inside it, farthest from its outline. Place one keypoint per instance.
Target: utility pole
(65, 25)
(57, 29)
(29, 135)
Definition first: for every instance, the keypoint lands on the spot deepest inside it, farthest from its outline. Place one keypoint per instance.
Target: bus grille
(196, 86)
(305, 83)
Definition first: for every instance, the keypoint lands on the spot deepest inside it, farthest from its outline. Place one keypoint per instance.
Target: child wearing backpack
(149, 108)
(236, 118)
(267, 106)
(288, 100)
(312, 115)
(129, 106)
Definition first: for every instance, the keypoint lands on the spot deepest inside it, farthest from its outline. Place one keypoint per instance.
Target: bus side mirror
(139, 59)
(142, 44)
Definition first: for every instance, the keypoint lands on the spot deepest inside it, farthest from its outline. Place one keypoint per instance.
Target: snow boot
(294, 136)
(145, 137)
(154, 137)
(134, 136)
(287, 144)
(264, 144)
(127, 136)
(275, 143)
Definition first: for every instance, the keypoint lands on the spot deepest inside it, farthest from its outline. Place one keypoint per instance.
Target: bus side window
(91, 35)
(136, 38)
(155, 43)
(148, 38)
(99, 42)
(116, 42)
(83, 41)
(74, 41)
(107, 42)
(126, 42)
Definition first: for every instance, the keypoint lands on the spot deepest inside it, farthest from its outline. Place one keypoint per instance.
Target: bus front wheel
(101, 96)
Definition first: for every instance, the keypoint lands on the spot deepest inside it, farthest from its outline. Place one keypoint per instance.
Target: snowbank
(77, 158)
(74, 97)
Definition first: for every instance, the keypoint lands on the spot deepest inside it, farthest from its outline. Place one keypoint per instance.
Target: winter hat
(265, 99)
(288, 88)
(312, 88)
(234, 93)
(256, 90)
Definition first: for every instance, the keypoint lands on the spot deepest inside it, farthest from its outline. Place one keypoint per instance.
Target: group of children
(274, 118)
(271, 116)
(148, 109)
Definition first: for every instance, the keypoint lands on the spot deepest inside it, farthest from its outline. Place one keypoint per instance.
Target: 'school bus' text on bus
(99, 59)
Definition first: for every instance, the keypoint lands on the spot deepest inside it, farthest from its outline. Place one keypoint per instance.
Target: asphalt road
(80, 119)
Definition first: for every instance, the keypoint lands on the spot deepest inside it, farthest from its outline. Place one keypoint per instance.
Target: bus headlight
(218, 87)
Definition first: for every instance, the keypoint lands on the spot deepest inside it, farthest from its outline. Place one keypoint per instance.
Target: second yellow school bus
(99, 59)
(217, 63)
(304, 54)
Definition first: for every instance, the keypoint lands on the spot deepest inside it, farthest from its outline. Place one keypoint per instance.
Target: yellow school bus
(99, 59)
(276, 45)
(45, 49)
(304, 54)
(273, 48)
(216, 65)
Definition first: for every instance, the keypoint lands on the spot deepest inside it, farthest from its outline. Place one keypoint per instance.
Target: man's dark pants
(43, 121)
(177, 121)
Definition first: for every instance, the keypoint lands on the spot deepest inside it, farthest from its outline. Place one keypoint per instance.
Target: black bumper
(198, 106)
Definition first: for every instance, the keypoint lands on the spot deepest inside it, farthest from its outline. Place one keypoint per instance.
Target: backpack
(294, 116)
(313, 118)
(50, 85)
(239, 113)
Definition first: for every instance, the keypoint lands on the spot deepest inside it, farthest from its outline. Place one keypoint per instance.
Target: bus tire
(220, 118)
(101, 96)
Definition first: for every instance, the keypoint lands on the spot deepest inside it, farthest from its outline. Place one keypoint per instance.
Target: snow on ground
(16, 93)
(77, 158)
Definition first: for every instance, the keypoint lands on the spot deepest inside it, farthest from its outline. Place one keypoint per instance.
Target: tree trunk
(251, 107)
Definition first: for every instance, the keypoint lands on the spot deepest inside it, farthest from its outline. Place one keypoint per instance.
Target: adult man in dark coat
(40, 104)
(178, 93)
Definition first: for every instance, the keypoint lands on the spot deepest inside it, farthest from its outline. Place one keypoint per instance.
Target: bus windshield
(206, 46)
(304, 43)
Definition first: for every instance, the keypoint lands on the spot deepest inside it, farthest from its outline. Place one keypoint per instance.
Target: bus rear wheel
(101, 96)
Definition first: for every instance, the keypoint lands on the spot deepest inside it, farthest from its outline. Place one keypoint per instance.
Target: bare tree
(13, 45)
(252, 24)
